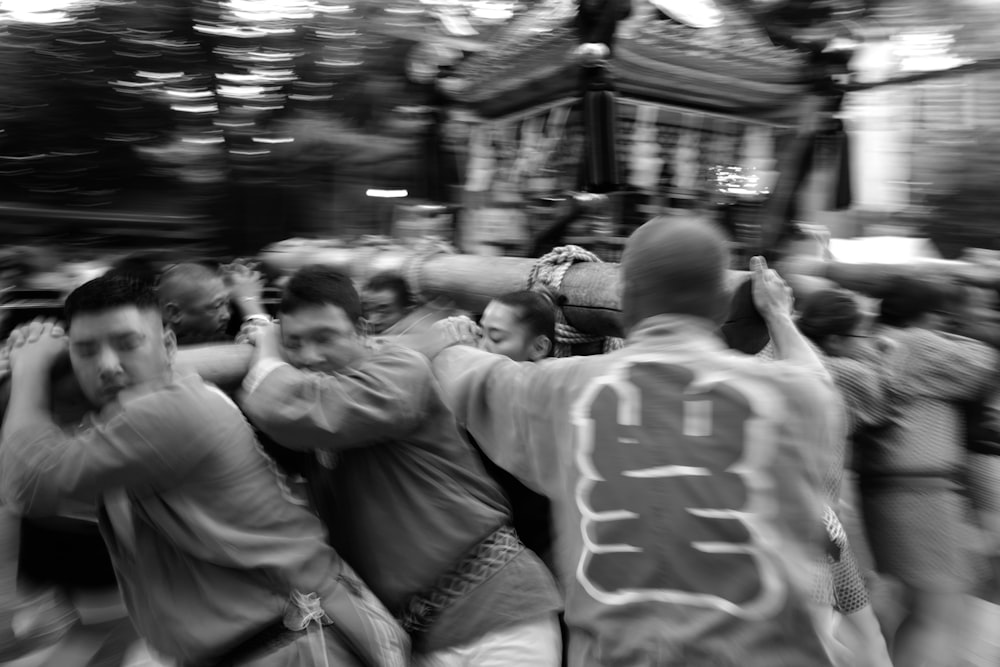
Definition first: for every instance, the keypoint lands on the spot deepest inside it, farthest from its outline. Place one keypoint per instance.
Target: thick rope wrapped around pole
(415, 264)
(549, 272)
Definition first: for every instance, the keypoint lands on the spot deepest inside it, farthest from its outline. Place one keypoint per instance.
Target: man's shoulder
(181, 403)
(703, 361)
(791, 379)
(397, 354)
(850, 370)
(794, 382)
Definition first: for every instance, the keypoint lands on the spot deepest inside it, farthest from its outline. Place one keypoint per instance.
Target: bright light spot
(242, 92)
(309, 98)
(190, 108)
(337, 34)
(160, 76)
(277, 140)
(271, 10)
(133, 84)
(340, 63)
(238, 78)
(202, 140)
(274, 74)
(190, 94)
(386, 194)
(335, 9)
(230, 31)
(492, 11)
(42, 11)
(926, 51)
(883, 250)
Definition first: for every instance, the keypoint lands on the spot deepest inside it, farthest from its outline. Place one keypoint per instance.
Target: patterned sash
(477, 566)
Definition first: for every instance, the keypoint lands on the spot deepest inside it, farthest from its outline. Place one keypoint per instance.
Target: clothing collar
(185, 377)
(684, 330)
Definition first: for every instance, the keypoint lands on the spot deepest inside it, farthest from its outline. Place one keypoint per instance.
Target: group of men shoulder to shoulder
(218, 561)
(222, 563)
(405, 498)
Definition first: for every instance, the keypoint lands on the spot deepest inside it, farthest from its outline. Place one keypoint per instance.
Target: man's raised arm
(498, 401)
(145, 442)
(382, 397)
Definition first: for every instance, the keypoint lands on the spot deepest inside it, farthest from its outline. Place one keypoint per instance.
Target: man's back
(687, 492)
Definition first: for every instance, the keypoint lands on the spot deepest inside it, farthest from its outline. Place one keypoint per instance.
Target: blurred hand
(250, 331)
(244, 282)
(771, 294)
(35, 345)
(459, 330)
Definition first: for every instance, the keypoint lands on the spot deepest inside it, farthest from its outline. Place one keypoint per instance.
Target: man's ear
(540, 348)
(171, 312)
(170, 343)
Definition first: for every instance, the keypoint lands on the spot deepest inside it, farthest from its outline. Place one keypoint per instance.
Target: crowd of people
(753, 479)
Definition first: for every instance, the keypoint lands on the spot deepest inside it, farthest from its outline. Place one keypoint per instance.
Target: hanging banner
(646, 159)
(482, 159)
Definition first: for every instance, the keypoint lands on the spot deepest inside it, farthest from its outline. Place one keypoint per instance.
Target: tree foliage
(109, 96)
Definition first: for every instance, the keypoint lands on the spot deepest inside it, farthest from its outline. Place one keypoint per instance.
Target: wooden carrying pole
(222, 364)
(873, 279)
(591, 289)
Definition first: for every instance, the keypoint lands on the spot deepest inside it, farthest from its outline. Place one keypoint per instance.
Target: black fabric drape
(844, 192)
(600, 114)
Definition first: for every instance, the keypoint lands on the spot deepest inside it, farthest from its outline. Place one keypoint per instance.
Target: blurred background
(223, 126)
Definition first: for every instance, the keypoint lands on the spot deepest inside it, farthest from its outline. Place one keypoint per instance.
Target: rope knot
(549, 272)
(302, 610)
(421, 252)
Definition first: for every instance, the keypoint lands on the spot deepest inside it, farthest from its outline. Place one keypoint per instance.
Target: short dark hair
(392, 282)
(320, 285)
(143, 267)
(906, 299)
(108, 292)
(535, 310)
(829, 312)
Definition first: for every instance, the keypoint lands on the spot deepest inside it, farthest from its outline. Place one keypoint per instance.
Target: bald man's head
(195, 303)
(675, 266)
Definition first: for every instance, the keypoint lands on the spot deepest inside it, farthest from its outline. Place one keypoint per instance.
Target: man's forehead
(115, 322)
(499, 316)
(326, 316)
(208, 290)
(380, 296)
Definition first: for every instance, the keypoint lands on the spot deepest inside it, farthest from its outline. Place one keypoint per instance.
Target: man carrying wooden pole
(666, 551)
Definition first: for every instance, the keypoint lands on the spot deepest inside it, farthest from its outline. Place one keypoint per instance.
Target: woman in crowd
(833, 320)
